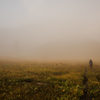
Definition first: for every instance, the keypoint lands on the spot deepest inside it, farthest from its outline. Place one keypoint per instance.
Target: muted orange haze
(58, 30)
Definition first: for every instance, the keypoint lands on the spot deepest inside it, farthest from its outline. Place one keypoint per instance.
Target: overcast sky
(27, 26)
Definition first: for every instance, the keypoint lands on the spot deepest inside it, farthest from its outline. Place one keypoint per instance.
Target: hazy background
(50, 29)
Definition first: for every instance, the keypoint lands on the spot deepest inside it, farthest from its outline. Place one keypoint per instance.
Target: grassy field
(47, 81)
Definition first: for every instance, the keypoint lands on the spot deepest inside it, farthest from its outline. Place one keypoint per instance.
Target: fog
(50, 30)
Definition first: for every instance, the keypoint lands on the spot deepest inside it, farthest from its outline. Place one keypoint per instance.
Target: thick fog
(50, 29)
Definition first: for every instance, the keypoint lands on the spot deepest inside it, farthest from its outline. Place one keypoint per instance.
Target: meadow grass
(46, 81)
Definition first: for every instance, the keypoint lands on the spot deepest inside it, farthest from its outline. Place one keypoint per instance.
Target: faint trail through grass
(85, 95)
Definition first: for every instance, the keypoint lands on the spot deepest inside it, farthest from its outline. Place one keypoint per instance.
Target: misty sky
(44, 29)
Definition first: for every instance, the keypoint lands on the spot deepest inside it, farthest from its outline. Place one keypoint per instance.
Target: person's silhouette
(91, 63)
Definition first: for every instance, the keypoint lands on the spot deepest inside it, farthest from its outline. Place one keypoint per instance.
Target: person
(91, 63)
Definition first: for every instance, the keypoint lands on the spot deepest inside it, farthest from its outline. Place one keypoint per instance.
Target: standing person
(91, 63)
